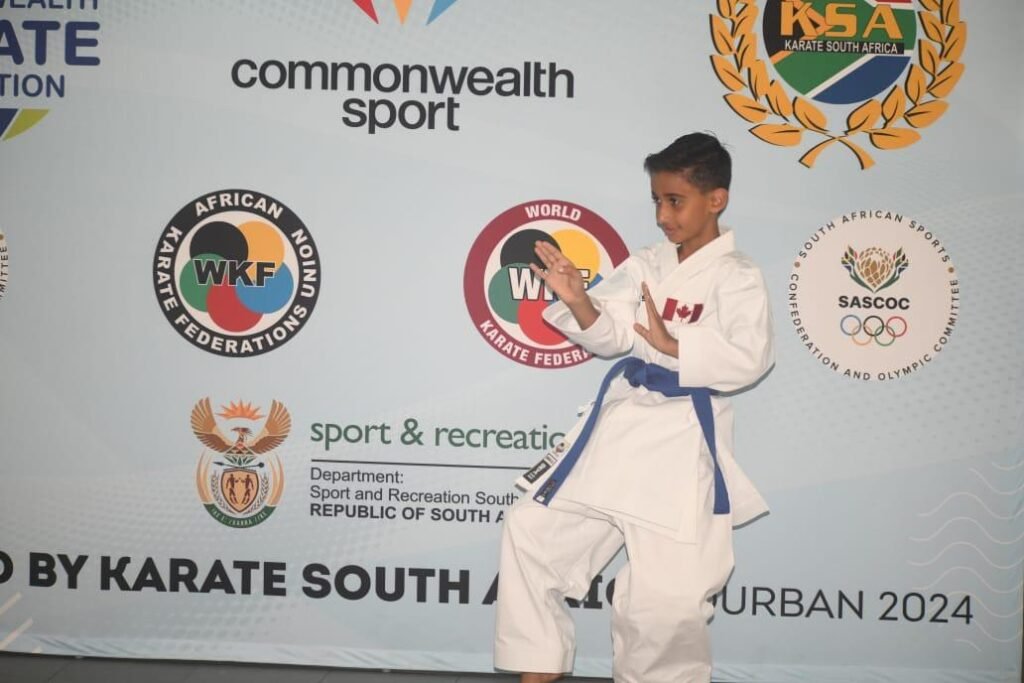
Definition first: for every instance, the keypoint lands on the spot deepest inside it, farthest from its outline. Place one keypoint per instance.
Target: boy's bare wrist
(581, 305)
(576, 299)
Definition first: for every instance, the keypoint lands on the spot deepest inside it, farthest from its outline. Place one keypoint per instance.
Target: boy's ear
(719, 199)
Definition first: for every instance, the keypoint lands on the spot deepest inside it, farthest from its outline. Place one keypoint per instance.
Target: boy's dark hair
(699, 157)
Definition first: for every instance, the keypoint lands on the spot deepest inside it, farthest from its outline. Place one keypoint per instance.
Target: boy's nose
(661, 216)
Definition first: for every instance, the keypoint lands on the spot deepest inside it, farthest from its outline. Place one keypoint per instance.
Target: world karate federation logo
(236, 273)
(874, 295)
(855, 73)
(506, 300)
(402, 7)
(244, 487)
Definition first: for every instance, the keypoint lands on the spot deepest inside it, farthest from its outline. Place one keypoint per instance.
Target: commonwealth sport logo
(402, 7)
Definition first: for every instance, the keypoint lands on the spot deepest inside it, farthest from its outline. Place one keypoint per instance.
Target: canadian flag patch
(673, 310)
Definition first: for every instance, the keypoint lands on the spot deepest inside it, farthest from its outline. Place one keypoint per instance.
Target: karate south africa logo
(244, 488)
(236, 273)
(402, 7)
(866, 63)
(506, 300)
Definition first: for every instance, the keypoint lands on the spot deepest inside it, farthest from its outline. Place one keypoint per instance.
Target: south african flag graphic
(840, 52)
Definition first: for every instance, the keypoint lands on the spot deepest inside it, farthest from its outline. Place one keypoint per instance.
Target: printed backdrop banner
(272, 355)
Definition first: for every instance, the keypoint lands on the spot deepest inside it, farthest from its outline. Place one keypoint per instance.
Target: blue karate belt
(654, 378)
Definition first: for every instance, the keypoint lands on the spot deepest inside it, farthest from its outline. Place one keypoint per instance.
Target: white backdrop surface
(895, 546)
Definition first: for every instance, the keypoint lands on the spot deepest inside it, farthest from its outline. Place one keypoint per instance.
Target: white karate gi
(645, 478)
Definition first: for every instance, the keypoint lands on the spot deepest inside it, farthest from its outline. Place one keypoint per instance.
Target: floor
(26, 668)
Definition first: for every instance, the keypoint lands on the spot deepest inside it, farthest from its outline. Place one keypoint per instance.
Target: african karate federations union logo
(244, 488)
(863, 61)
(236, 273)
(506, 300)
(873, 295)
(402, 7)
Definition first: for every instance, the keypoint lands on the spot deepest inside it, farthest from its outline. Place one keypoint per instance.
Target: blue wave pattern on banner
(972, 549)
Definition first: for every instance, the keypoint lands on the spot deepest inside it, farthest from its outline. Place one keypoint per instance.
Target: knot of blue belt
(653, 378)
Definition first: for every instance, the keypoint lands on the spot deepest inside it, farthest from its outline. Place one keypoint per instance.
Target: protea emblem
(244, 488)
(875, 268)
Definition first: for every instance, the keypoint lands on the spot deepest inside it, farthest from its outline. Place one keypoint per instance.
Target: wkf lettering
(684, 313)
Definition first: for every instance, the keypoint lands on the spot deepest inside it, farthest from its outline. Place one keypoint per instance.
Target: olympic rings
(883, 333)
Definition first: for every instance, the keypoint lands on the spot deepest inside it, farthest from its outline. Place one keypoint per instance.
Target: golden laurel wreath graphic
(919, 101)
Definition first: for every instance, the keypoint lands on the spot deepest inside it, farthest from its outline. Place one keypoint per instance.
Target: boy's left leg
(661, 607)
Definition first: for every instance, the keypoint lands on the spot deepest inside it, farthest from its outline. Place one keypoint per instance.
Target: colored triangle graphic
(25, 119)
(439, 8)
(367, 7)
(403, 9)
(6, 116)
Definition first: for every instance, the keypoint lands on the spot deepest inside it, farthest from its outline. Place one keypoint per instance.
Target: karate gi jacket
(647, 460)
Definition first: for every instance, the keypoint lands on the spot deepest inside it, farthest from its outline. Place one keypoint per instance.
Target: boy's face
(686, 214)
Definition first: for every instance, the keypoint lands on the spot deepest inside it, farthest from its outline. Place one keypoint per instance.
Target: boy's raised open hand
(560, 274)
(656, 335)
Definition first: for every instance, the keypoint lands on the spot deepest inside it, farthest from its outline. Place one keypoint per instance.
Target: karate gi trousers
(660, 608)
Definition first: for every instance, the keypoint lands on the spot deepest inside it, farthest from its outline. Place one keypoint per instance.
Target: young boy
(651, 464)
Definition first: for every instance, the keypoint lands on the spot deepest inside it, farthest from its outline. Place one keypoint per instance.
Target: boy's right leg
(547, 555)
(539, 678)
